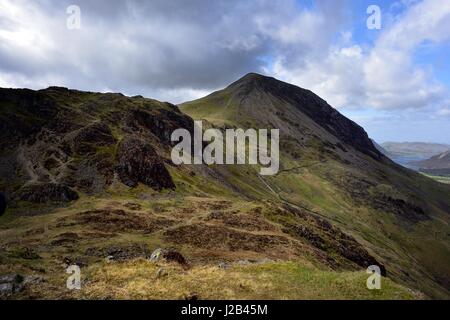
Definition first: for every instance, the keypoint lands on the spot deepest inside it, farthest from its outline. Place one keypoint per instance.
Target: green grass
(440, 179)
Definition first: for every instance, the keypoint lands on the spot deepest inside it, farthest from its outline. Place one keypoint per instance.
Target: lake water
(405, 160)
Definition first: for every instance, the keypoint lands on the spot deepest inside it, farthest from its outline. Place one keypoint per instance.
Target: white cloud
(393, 81)
(156, 48)
(383, 76)
(131, 45)
(336, 78)
(180, 51)
(444, 112)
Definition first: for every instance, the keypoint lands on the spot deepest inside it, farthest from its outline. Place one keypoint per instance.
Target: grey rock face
(139, 162)
(10, 284)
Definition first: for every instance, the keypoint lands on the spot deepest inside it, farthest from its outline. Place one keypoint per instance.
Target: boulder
(10, 284)
(172, 255)
(168, 255)
(6, 289)
(11, 278)
(223, 265)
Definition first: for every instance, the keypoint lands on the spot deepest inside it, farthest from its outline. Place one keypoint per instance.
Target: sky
(394, 81)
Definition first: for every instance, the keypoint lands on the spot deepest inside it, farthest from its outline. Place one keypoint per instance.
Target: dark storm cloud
(135, 46)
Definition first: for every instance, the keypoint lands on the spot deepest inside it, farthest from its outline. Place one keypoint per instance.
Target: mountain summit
(295, 111)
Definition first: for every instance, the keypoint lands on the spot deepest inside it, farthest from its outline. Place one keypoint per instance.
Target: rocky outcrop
(45, 192)
(23, 114)
(168, 255)
(161, 122)
(324, 236)
(138, 162)
(56, 141)
(14, 283)
(9, 284)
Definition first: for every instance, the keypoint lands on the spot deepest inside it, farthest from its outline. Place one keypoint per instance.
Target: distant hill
(440, 161)
(437, 165)
(424, 149)
(406, 153)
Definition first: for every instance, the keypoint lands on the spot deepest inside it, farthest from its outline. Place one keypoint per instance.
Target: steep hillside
(89, 181)
(440, 161)
(258, 100)
(330, 167)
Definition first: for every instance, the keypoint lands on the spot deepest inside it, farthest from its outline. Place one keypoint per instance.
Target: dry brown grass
(276, 280)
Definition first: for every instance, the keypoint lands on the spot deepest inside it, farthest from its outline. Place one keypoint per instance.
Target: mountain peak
(251, 76)
(271, 85)
(267, 101)
(253, 80)
(250, 79)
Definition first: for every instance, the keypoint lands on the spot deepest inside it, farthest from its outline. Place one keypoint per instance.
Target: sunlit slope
(330, 166)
